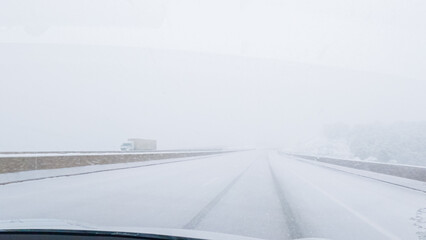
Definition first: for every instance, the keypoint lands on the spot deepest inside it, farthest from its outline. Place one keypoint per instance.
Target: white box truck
(138, 144)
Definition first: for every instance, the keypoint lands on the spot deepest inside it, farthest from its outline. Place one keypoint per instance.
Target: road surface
(260, 194)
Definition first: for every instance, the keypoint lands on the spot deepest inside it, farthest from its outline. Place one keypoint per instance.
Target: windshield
(275, 119)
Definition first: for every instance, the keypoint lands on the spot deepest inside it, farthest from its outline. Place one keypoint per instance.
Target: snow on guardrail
(406, 171)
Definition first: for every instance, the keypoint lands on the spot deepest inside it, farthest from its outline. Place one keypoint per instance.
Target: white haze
(87, 75)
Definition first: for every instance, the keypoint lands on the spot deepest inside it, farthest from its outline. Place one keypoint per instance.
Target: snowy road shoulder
(398, 181)
(15, 177)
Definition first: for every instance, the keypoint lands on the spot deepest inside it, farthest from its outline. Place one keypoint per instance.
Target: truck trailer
(138, 144)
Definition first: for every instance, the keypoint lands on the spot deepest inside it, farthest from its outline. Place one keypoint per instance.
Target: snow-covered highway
(259, 194)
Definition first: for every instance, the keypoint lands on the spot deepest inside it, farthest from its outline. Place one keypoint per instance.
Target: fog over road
(260, 194)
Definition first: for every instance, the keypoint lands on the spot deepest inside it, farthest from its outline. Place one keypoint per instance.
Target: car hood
(55, 224)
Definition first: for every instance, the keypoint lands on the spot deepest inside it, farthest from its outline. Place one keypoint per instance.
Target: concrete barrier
(405, 171)
(28, 163)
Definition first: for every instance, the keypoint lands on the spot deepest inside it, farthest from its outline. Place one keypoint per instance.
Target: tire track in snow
(294, 229)
(195, 221)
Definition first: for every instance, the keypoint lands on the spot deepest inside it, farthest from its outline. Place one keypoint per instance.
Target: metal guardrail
(405, 171)
(28, 163)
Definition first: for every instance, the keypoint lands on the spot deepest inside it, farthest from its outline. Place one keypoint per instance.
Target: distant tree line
(403, 142)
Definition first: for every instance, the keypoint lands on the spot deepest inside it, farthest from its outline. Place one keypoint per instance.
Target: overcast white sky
(87, 75)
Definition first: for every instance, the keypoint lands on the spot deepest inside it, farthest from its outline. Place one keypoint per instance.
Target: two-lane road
(256, 193)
